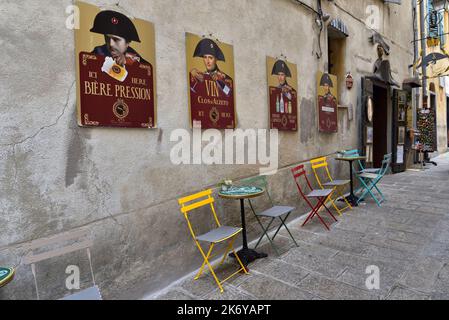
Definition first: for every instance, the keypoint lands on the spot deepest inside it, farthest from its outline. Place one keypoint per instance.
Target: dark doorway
(380, 125)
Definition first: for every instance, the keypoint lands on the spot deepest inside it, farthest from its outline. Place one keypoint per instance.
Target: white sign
(446, 84)
(400, 155)
(328, 109)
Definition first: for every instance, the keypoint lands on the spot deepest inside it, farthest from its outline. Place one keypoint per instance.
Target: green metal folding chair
(354, 153)
(370, 181)
(387, 157)
(362, 169)
(273, 213)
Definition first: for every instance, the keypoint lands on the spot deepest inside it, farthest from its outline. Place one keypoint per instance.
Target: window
(441, 17)
(435, 25)
(432, 20)
(337, 33)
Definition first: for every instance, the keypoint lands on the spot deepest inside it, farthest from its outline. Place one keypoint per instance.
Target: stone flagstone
(407, 239)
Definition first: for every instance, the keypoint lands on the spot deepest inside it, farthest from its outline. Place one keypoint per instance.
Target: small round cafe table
(246, 255)
(352, 199)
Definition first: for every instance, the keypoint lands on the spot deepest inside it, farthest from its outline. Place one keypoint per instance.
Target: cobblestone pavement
(407, 239)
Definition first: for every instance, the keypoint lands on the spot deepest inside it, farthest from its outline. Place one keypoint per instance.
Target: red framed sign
(211, 87)
(327, 103)
(116, 70)
(283, 94)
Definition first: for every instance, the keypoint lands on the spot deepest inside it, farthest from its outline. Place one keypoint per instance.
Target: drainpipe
(415, 92)
(422, 16)
(415, 32)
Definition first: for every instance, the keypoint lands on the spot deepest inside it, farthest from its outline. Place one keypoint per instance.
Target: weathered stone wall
(441, 118)
(436, 86)
(56, 177)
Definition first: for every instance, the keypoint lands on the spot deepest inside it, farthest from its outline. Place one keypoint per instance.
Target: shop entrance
(380, 125)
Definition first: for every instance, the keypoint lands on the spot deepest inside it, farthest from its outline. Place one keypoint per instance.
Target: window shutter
(432, 20)
(441, 27)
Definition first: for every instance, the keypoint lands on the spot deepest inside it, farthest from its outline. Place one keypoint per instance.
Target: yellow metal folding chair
(217, 236)
(320, 164)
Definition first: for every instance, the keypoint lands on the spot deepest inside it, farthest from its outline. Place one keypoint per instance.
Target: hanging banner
(115, 59)
(282, 94)
(210, 70)
(327, 103)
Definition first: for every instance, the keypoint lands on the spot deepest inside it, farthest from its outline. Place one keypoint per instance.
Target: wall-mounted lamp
(324, 17)
(320, 19)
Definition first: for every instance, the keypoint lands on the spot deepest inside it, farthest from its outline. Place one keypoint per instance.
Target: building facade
(432, 41)
(121, 184)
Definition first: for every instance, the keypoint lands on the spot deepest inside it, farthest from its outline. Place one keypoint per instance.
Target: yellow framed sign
(282, 94)
(211, 86)
(116, 65)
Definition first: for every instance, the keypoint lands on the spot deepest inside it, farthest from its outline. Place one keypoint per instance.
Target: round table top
(239, 193)
(353, 158)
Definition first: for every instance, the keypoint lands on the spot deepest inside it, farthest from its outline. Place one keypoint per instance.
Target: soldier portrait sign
(115, 58)
(210, 70)
(327, 103)
(282, 94)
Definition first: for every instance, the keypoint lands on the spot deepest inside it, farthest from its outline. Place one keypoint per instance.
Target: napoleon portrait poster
(210, 70)
(115, 69)
(327, 103)
(282, 94)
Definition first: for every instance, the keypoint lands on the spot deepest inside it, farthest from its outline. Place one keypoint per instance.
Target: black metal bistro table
(246, 255)
(352, 199)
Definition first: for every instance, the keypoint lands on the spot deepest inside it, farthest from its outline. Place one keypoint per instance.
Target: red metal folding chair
(320, 195)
